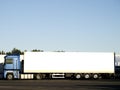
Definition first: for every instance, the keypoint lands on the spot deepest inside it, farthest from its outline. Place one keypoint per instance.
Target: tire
(38, 76)
(87, 76)
(95, 76)
(10, 76)
(78, 76)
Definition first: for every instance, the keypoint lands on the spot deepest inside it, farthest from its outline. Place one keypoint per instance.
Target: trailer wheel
(38, 76)
(78, 76)
(87, 76)
(95, 76)
(9, 76)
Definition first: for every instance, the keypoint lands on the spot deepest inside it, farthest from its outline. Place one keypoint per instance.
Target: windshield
(9, 61)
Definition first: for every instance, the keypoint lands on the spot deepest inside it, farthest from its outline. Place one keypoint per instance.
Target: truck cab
(12, 67)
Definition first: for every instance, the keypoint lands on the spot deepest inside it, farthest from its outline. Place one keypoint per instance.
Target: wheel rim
(38, 76)
(87, 76)
(10, 77)
(95, 76)
(78, 76)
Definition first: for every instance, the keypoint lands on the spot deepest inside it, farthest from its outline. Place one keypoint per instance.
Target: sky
(68, 25)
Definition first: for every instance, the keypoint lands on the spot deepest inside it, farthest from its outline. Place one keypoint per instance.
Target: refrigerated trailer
(75, 65)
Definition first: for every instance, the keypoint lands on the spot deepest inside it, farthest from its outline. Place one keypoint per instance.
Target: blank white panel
(68, 62)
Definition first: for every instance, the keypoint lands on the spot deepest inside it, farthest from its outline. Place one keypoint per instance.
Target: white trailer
(69, 64)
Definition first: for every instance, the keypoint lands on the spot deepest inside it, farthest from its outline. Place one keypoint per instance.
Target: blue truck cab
(12, 67)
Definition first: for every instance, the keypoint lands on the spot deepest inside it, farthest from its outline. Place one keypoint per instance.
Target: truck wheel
(87, 76)
(78, 76)
(95, 76)
(38, 76)
(10, 77)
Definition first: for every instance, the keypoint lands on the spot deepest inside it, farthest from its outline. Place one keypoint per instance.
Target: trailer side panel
(68, 62)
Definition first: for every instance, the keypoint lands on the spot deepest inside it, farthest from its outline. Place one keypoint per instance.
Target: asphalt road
(59, 84)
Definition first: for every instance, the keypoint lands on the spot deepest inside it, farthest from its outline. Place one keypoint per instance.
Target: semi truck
(73, 65)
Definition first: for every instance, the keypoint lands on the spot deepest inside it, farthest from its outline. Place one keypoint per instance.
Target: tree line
(18, 51)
